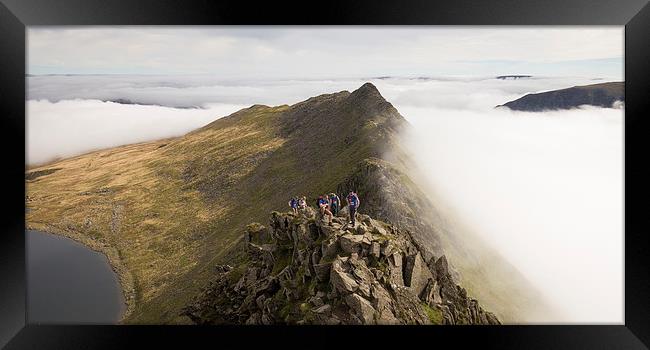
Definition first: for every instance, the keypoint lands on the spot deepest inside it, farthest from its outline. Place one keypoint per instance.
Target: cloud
(544, 189)
(73, 127)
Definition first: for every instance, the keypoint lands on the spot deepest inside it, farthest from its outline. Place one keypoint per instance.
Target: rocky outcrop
(301, 270)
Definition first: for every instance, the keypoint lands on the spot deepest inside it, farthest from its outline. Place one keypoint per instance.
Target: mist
(545, 190)
(72, 127)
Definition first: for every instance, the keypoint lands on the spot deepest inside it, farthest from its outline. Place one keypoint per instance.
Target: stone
(255, 318)
(322, 271)
(315, 256)
(388, 248)
(323, 309)
(260, 301)
(442, 267)
(361, 308)
(329, 249)
(367, 239)
(431, 293)
(316, 302)
(351, 243)
(397, 259)
(375, 249)
(416, 273)
(342, 281)
(329, 231)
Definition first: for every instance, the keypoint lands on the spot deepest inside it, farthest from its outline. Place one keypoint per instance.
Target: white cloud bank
(72, 127)
(543, 189)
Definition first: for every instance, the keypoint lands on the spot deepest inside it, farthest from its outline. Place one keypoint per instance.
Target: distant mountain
(513, 77)
(165, 212)
(600, 95)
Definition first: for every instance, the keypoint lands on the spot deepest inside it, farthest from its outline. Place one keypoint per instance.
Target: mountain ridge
(600, 95)
(165, 212)
(301, 270)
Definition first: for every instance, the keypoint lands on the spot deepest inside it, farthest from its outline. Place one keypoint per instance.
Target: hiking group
(329, 205)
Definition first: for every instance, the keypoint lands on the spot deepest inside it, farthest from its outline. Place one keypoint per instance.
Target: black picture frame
(15, 15)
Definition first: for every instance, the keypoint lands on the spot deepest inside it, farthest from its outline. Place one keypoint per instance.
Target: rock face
(300, 270)
(601, 95)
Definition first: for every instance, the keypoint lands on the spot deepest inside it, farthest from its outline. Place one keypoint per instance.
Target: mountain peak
(367, 90)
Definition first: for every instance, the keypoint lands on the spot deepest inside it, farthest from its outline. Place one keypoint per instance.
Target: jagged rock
(361, 308)
(222, 268)
(431, 293)
(351, 243)
(322, 271)
(328, 231)
(442, 268)
(257, 233)
(341, 280)
(375, 249)
(329, 249)
(316, 301)
(416, 273)
(387, 248)
(323, 309)
(408, 307)
(395, 269)
(362, 275)
(364, 278)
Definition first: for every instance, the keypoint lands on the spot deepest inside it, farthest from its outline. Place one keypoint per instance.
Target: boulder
(329, 249)
(342, 281)
(322, 271)
(375, 249)
(257, 233)
(323, 309)
(351, 243)
(361, 308)
(431, 293)
(416, 273)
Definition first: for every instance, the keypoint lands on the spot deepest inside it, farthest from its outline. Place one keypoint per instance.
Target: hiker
(334, 203)
(293, 203)
(324, 208)
(353, 203)
(302, 203)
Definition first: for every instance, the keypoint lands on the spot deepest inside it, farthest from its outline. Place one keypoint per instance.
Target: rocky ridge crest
(300, 270)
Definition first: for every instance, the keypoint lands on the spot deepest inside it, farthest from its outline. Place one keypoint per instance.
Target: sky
(543, 189)
(326, 52)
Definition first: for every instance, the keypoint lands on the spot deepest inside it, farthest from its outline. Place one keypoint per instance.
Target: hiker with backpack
(293, 203)
(324, 207)
(353, 204)
(334, 202)
(302, 203)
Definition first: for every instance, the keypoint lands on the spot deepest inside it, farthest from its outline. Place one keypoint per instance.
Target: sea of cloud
(543, 189)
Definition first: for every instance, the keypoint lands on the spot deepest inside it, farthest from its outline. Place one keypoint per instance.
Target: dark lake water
(69, 283)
